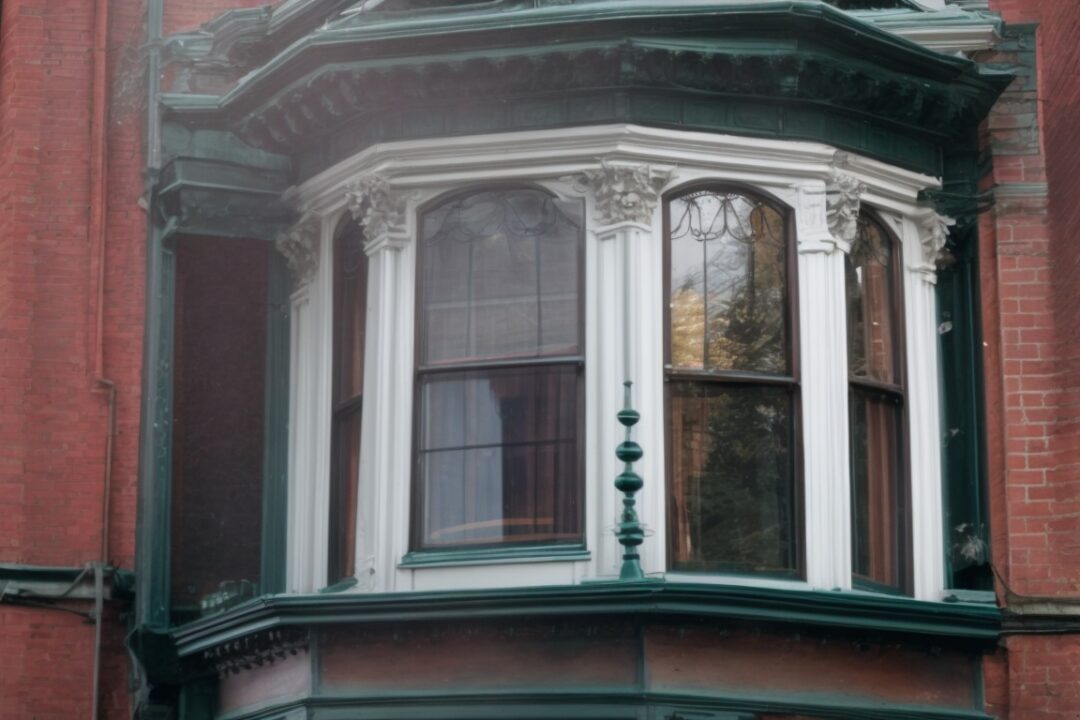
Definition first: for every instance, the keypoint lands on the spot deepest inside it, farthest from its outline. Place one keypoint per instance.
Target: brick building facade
(75, 186)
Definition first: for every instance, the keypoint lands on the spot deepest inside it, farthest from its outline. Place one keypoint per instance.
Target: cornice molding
(623, 192)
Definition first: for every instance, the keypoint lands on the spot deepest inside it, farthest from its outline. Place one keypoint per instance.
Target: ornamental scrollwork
(623, 193)
(299, 245)
(844, 198)
(933, 234)
(379, 209)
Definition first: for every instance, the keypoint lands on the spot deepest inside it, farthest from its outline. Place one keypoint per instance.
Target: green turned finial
(630, 531)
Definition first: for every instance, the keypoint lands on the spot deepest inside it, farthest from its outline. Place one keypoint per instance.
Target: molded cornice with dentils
(974, 624)
(372, 77)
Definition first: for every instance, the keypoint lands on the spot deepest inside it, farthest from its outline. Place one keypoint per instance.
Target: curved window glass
(499, 382)
(731, 388)
(879, 495)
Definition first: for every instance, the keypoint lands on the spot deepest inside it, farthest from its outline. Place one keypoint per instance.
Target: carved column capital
(844, 200)
(623, 192)
(300, 247)
(933, 230)
(380, 210)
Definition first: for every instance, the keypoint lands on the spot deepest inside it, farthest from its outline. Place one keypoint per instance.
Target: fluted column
(302, 247)
(384, 460)
(923, 239)
(625, 227)
(825, 229)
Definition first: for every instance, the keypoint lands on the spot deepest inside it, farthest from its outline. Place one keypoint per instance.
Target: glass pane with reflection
(501, 277)
(728, 284)
(733, 478)
(871, 303)
(877, 496)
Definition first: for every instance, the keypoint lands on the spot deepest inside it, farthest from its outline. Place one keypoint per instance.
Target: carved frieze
(379, 209)
(623, 192)
(300, 247)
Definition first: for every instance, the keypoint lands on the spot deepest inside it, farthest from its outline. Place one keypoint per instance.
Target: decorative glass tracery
(731, 389)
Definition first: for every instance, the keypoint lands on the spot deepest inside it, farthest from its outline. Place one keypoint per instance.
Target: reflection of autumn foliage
(687, 321)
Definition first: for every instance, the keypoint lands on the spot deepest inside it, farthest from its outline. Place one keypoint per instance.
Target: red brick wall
(1031, 282)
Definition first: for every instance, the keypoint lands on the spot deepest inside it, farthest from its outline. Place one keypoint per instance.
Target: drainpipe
(97, 230)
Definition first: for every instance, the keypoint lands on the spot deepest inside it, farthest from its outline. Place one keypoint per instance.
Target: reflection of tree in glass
(732, 448)
(731, 442)
(728, 284)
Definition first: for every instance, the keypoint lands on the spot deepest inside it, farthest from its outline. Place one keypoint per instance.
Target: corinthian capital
(623, 193)
(379, 209)
(844, 198)
(933, 232)
(299, 245)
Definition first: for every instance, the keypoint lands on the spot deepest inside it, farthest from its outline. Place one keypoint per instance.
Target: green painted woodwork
(223, 199)
(495, 555)
(793, 69)
(155, 436)
(630, 531)
(978, 624)
(276, 430)
(598, 704)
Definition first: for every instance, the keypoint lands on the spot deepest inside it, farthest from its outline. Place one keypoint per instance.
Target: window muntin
(732, 395)
(350, 318)
(499, 383)
(879, 492)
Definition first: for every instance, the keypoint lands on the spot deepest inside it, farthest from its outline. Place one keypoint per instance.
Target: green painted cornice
(793, 68)
(977, 624)
(596, 704)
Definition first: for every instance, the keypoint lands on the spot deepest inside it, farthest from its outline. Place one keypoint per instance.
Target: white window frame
(386, 184)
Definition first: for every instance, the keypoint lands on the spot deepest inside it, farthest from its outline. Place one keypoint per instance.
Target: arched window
(499, 375)
(732, 385)
(350, 314)
(879, 491)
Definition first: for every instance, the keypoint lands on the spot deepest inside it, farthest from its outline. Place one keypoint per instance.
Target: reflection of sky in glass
(728, 284)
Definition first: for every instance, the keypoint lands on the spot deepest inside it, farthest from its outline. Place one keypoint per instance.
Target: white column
(383, 496)
(923, 237)
(823, 387)
(306, 248)
(627, 318)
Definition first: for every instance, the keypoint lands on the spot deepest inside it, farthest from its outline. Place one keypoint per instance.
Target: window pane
(350, 315)
(728, 291)
(501, 277)
(871, 305)
(733, 478)
(343, 497)
(499, 457)
(877, 497)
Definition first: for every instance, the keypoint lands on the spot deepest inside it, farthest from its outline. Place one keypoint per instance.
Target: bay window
(879, 494)
(494, 294)
(731, 381)
(498, 376)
